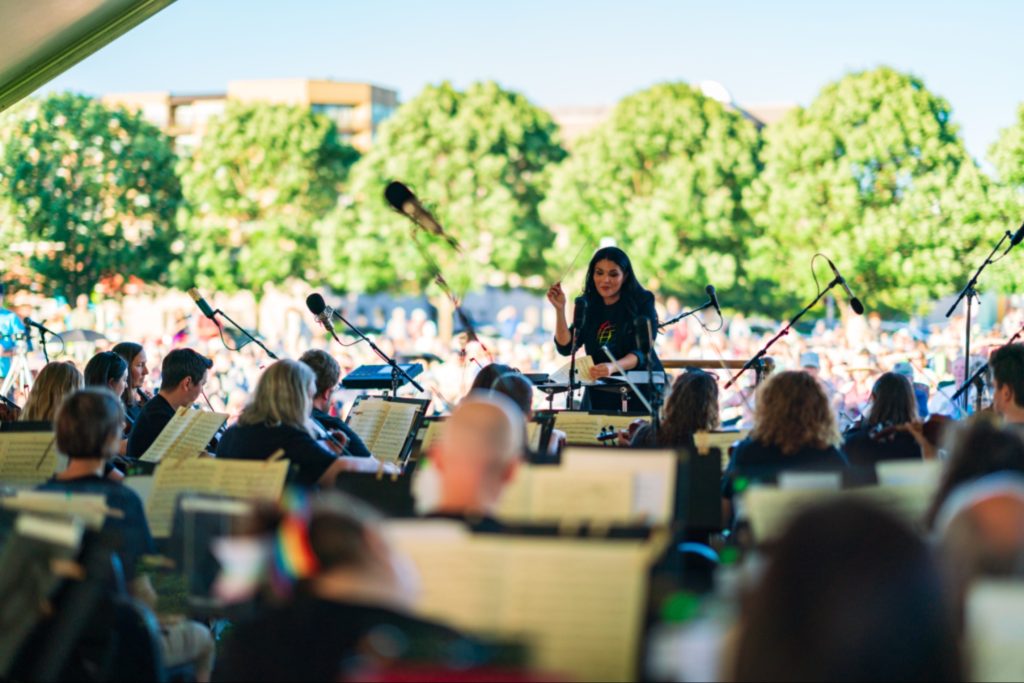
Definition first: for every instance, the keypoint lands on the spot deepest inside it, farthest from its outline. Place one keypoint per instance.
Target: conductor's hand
(602, 370)
(557, 296)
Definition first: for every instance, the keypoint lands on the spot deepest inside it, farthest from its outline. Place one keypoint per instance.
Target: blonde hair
(282, 397)
(55, 381)
(792, 412)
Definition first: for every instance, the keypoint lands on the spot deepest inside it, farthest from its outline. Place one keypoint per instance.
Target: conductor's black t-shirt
(606, 327)
(613, 326)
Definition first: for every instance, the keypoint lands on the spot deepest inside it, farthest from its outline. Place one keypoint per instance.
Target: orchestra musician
(134, 396)
(278, 416)
(878, 436)
(182, 376)
(613, 312)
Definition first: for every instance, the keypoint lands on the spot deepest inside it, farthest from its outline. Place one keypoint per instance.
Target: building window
(184, 116)
(341, 114)
(381, 112)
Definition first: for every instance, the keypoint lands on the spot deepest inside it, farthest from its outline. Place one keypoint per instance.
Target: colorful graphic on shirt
(606, 332)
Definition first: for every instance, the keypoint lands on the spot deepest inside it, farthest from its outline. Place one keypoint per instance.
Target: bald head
(983, 527)
(480, 446)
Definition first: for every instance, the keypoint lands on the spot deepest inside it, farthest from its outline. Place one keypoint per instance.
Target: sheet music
(27, 458)
(366, 418)
(910, 503)
(433, 432)
(578, 603)
(251, 479)
(583, 428)
(394, 430)
(533, 434)
(653, 476)
(237, 478)
(584, 364)
(910, 472)
(200, 427)
(995, 628)
(705, 441)
(562, 495)
(166, 438)
(90, 508)
(384, 426)
(554, 494)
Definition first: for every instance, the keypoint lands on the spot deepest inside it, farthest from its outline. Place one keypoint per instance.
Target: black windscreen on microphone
(315, 303)
(397, 195)
(857, 306)
(1018, 236)
(642, 325)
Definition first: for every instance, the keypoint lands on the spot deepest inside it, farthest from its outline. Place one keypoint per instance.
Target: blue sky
(573, 52)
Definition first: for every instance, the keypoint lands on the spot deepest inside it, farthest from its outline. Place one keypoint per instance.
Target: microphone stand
(657, 394)
(569, 402)
(685, 314)
(970, 293)
(976, 377)
(244, 331)
(396, 370)
(756, 360)
(467, 324)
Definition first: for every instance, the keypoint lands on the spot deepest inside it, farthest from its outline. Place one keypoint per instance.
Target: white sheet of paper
(577, 603)
(584, 364)
(995, 628)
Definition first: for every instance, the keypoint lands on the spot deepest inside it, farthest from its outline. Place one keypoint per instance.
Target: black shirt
(612, 326)
(355, 445)
(484, 523)
(152, 419)
(863, 450)
(615, 327)
(317, 640)
(131, 531)
(754, 460)
(258, 442)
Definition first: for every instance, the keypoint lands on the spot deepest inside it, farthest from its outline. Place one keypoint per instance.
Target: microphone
(29, 322)
(642, 325)
(579, 320)
(1018, 236)
(710, 289)
(201, 302)
(855, 303)
(405, 202)
(316, 305)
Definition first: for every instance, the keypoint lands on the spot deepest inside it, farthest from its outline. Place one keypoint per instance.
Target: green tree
(1007, 153)
(874, 174)
(262, 175)
(478, 159)
(664, 177)
(88, 193)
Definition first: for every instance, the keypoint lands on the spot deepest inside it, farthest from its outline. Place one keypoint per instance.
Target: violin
(9, 410)
(611, 434)
(933, 429)
(142, 396)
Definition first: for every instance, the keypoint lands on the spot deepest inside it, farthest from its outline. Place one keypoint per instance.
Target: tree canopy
(478, 160)
(874, 174)
(88, 192)
(261, 177)
(664, 177)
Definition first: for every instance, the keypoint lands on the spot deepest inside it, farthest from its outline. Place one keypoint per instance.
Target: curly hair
(792, 412)
(692, 407)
